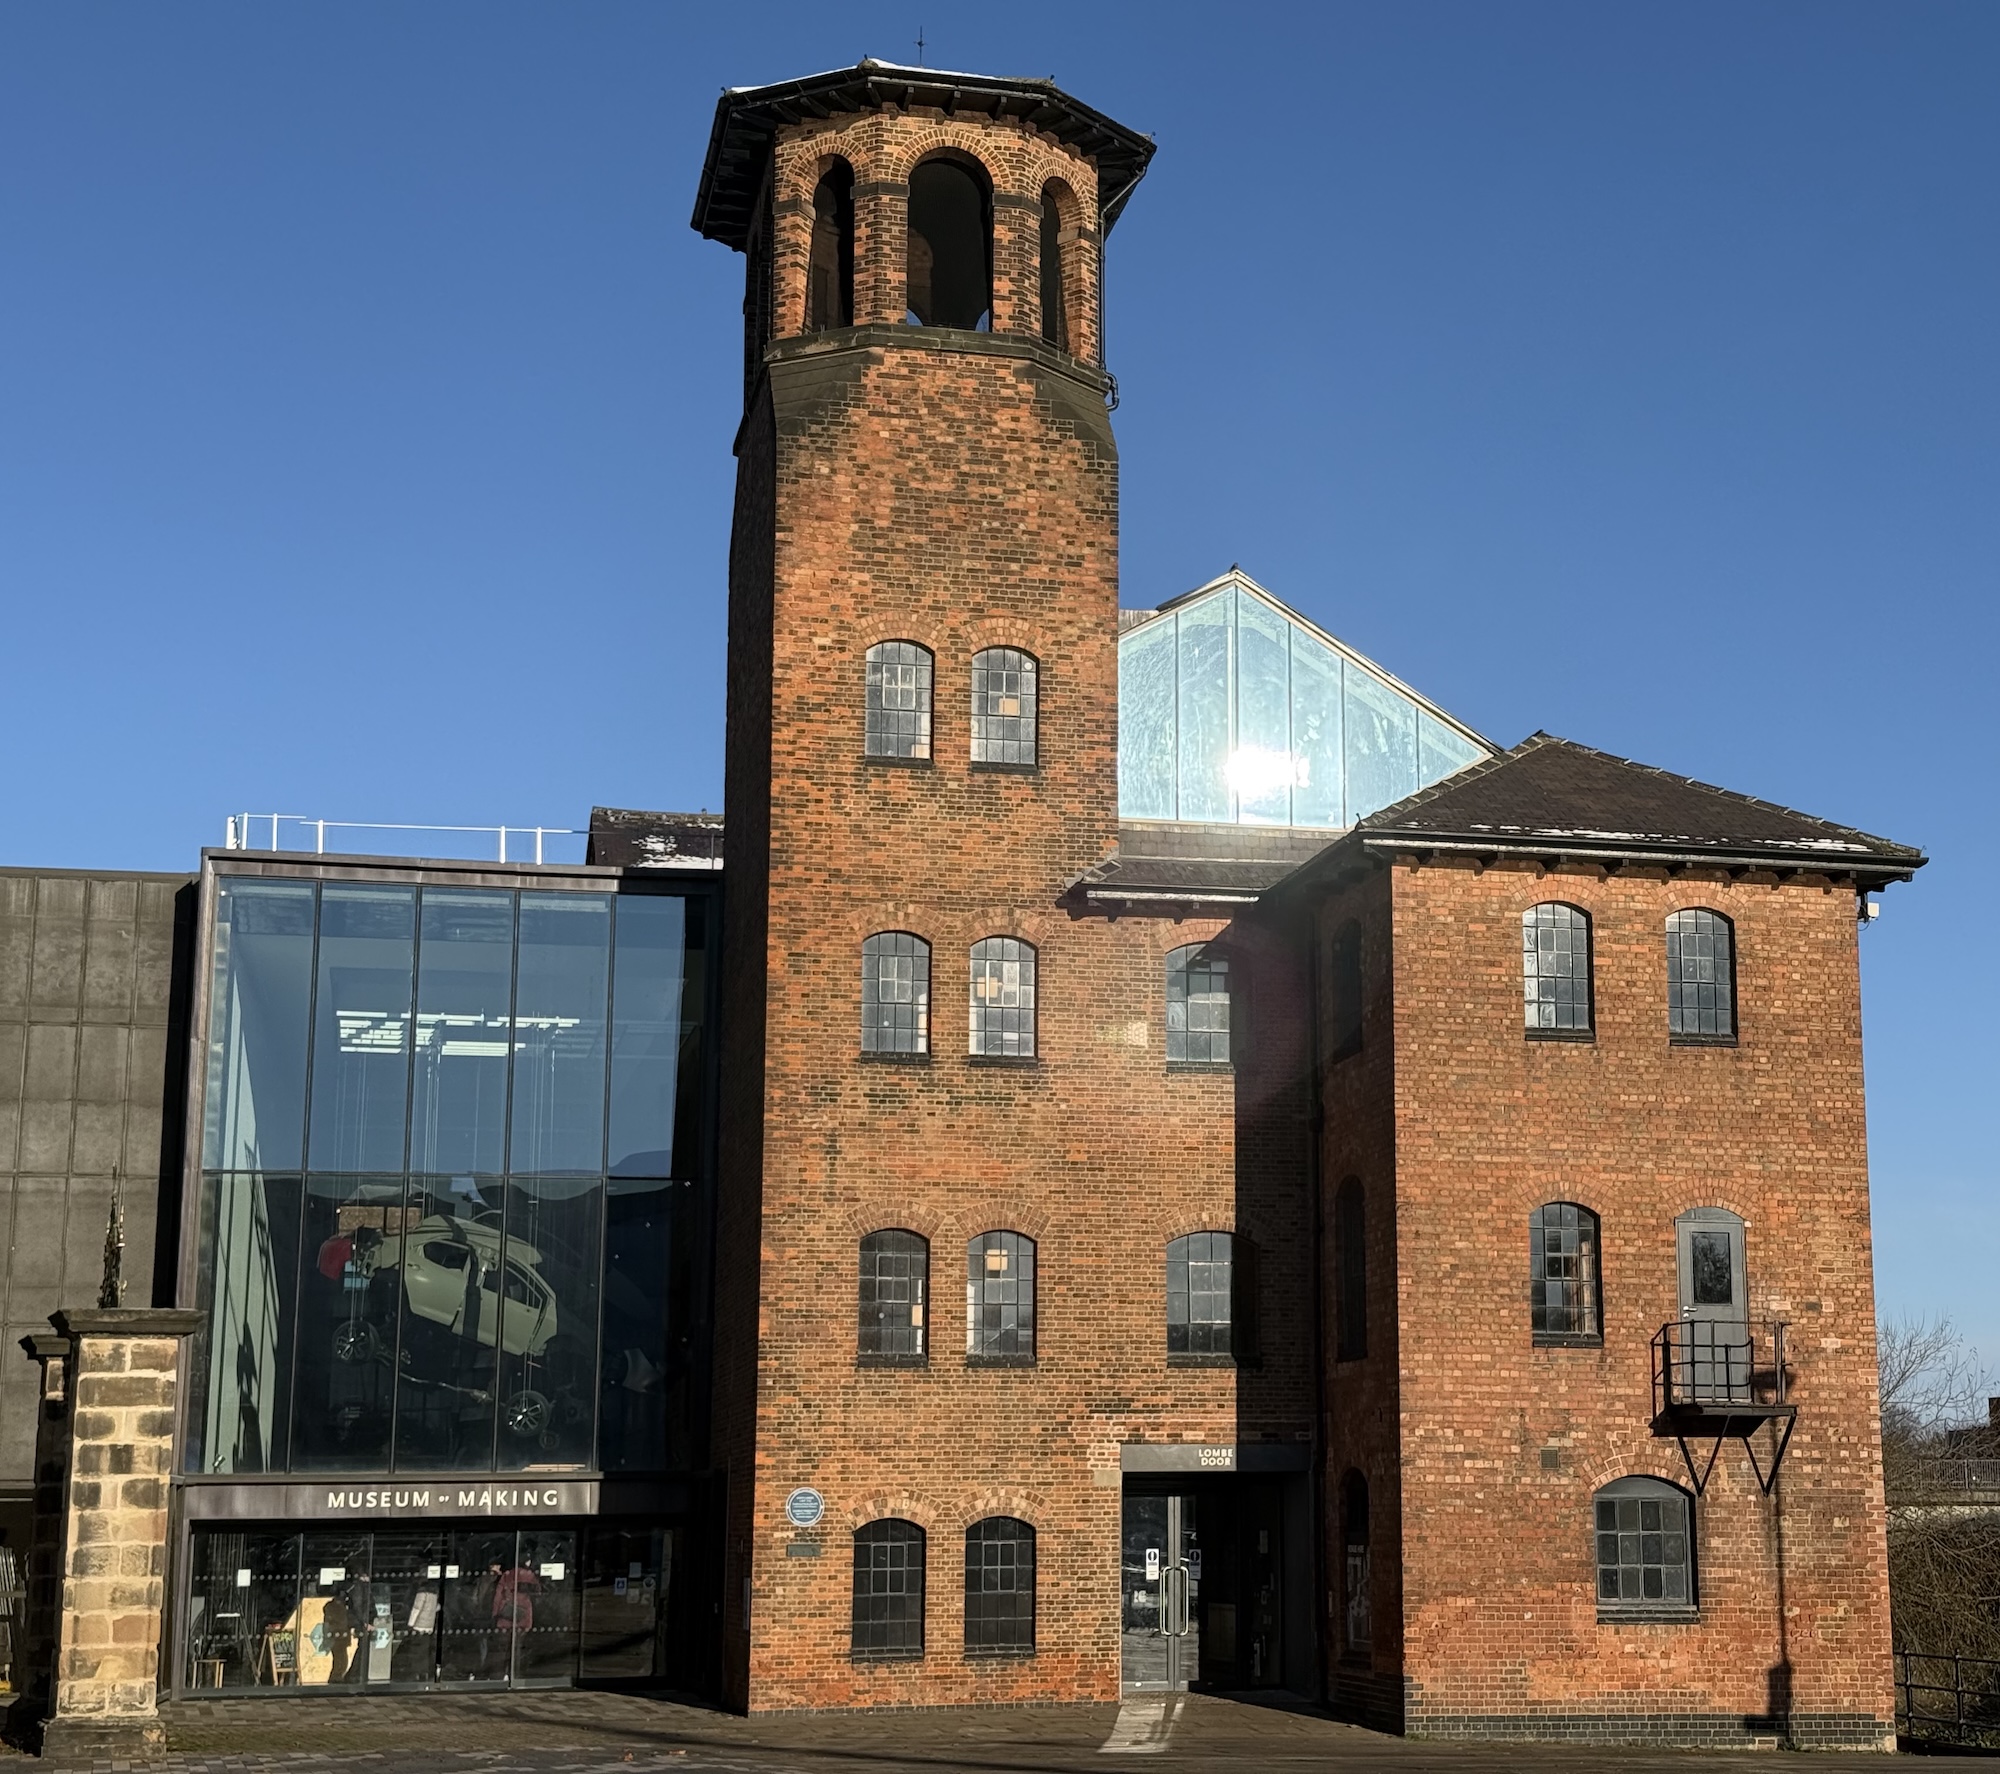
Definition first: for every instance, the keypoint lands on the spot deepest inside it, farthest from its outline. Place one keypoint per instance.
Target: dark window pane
(259, 1014)
(361, 1027)
(1198, 1019)
(1000, 1297)
(895, 1283)
(1555, 967)
(442, 1267)
(548, 1322)
(899, 701)
(1200, 1294)
(562, 983)
(1647, 1560)
(895, 993)
(999, 1587)
(349, 1285)
(465, 995)
(888, 1618)
(648, 1298)
(1563, 1284)
(656, 1035)
(1712, 1283)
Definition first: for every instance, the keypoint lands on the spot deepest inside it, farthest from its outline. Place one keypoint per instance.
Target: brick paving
(625, 1734)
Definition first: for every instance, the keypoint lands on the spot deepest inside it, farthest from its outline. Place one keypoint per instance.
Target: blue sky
(1629, 372)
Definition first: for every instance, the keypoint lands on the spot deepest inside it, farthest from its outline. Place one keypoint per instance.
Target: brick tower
(927, 490)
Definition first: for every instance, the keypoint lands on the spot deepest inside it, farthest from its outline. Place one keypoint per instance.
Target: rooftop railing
(297, 831)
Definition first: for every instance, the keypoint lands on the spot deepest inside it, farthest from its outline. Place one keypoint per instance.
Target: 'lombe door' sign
(805, 1507)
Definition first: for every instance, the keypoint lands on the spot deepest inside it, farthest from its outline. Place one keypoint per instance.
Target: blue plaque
(804, 1507)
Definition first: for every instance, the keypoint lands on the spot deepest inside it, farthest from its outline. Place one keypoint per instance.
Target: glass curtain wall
(287, 1607)
(1230, 713)
(447, 1214)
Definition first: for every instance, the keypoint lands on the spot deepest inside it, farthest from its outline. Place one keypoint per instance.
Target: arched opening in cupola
(950, 264)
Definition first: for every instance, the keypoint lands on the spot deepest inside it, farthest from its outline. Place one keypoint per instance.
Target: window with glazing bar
(1000, 1298)
(1207, 1297)
(895, 993)
(1555, 970)
(1004, 706)
(1701, 977)
(899, 700)
(895, 1283)
(999, 1587)
(1563, 1275)
(888, 1622)
(1003, 999)
(1197, 1007)
(1645, 1548)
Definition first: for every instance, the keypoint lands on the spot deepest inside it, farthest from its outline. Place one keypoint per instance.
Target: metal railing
(244, 828)
(1942, 1699)
(1717, 1362)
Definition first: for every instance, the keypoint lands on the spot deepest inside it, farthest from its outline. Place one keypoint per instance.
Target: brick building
(1141, 1152)
(1367, 1247)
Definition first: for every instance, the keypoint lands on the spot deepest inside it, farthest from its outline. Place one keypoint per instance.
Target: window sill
(1648, 1616)
(895, 763)
(1185, 1358)
(892, 1361)
(885, 1656)
(1550, 1340)
(1010, 1656)
(879, 1057)
(999, 1361)
(992, 767)
(1701, 1040)
(1019, 1061)
(1584, 1036)
(1218, 1068)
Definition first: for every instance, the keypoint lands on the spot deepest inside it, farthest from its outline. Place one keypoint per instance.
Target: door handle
(1177, 1601)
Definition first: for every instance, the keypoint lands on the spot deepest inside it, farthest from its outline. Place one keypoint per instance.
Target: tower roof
(748, 117)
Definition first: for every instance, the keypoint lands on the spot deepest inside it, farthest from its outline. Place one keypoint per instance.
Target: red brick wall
(1499, 1614)
(961, 493)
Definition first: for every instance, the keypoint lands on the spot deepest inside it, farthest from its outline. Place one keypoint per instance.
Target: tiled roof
(1549, 794)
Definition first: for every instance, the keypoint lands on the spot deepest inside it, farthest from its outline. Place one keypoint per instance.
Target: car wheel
(526, 1413)
(355, 1341)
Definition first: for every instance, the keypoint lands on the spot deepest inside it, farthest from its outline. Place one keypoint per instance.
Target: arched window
(1645, 1548)
(1000, 1299)
(1563, 1289)
(1197, 1007)
(1357, 1616)
(895, 1289)
(1003, 999)
(899, 700)
(1701, 977)
(1344, 961)
(1210, 1296)
(888, 1591)
(1003, 706)
(1350, 1252)
(1055, 306)
(999, 1587)
(950, 247)
(1555, 971)
(830, 273)
(895, 993)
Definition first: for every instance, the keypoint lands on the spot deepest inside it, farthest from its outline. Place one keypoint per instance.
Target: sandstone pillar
(98, 1571)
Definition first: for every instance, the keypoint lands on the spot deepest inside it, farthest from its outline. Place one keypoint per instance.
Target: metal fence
(1952, 1700)
(286, 831)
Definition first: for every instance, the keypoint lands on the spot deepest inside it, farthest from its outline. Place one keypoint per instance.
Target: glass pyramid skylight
(1234, 711)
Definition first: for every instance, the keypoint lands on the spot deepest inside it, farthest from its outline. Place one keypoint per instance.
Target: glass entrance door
(1160, 1582)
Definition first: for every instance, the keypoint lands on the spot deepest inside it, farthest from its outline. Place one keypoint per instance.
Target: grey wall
(93, 978)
